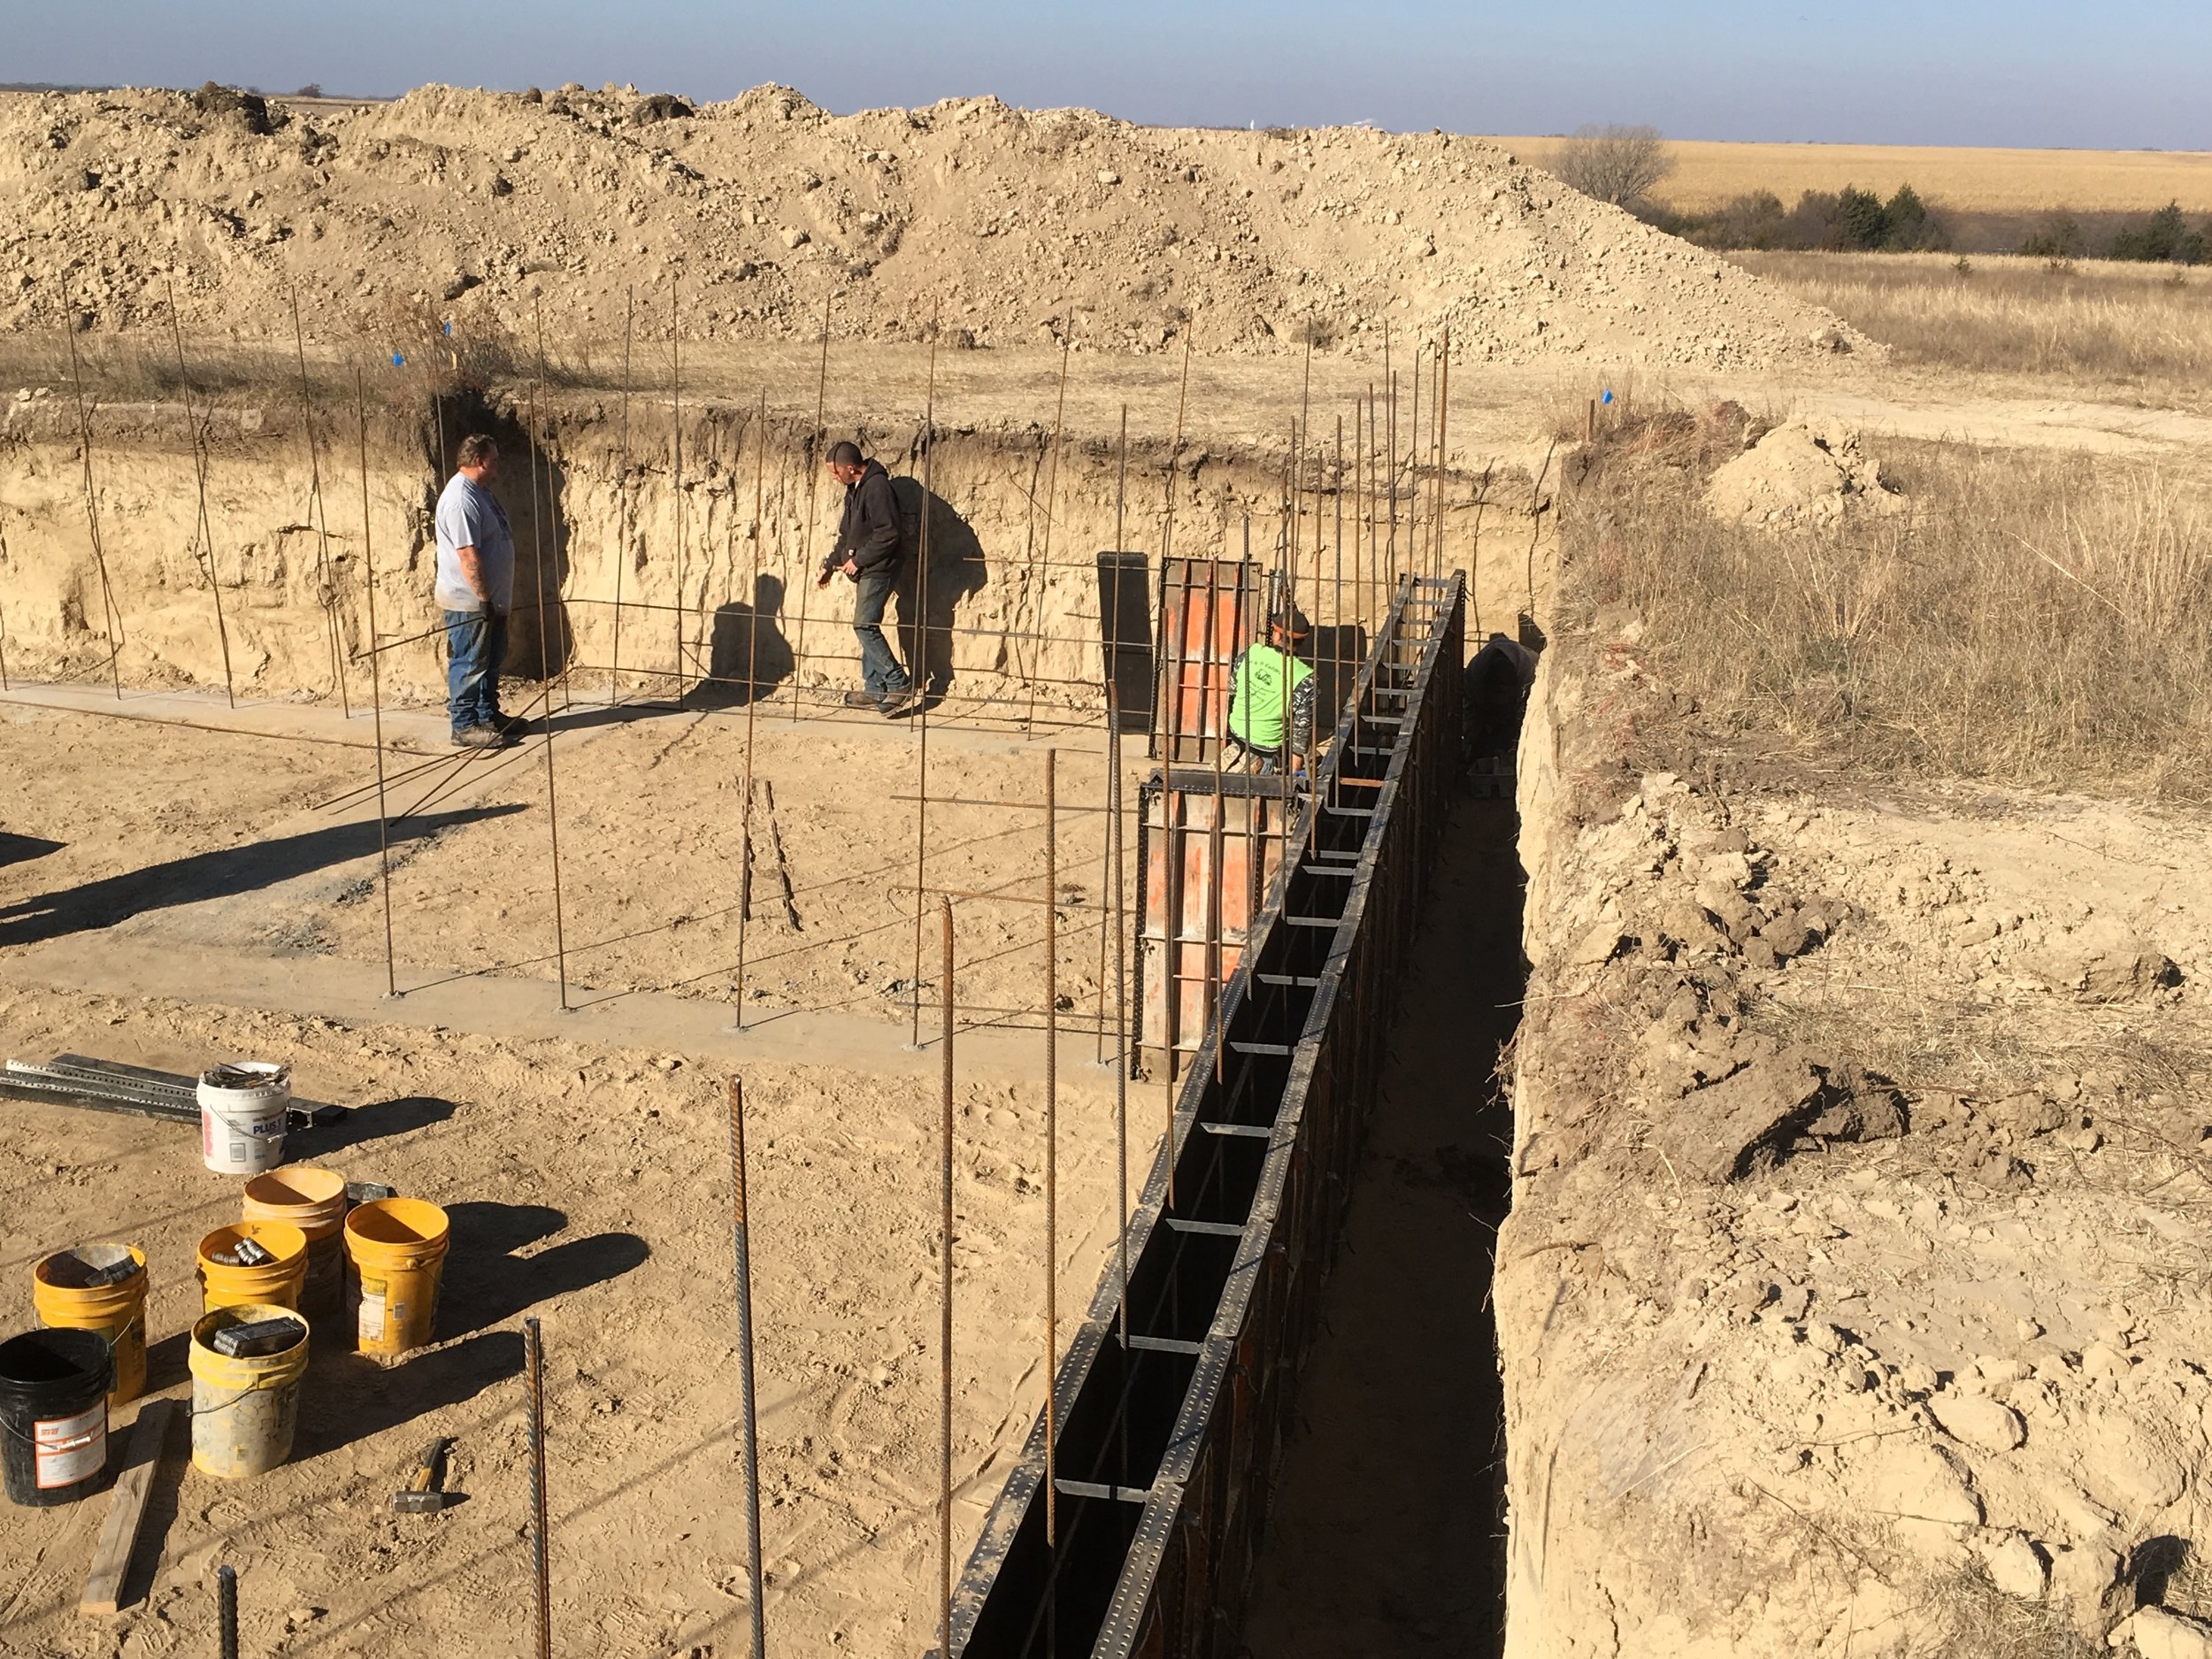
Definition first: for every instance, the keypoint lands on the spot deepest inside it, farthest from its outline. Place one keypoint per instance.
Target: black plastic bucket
(54, 1415)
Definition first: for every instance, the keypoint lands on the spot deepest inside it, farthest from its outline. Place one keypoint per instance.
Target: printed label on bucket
(372, 1325)
(69, 1449)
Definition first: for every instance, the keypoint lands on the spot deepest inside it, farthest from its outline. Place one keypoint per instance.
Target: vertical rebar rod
(1052, 1148)
(752, 694)
(1217, 846)
(1433, 548)
(1479, 492)
(1412, 471)
(676, 385)
(553, 511)
(545, 679)
(1536, 523)
(622, 500)
(112, 616)
(813, 466)
(4, 635)
(1121, 1039)
(1287, 572)
(1372, 598)
(226, 1611)
(199, 480)
(1443, 438)
(1113, 681)
(1166, 691)
(1284, 776)
(1342, 645)
(944, 1328)
(746, 1397)
(1390, 438)
(322, 522)
(919, 672)
(1052, 505)
(376, 688)
(540, 1560)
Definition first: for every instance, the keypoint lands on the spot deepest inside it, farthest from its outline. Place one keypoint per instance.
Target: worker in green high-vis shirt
(1271, 697)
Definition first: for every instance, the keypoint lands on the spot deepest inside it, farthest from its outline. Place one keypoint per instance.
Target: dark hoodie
(872, 534)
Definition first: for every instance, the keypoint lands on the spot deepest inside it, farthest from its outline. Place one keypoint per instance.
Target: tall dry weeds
(2147, 326)
(2033, 618)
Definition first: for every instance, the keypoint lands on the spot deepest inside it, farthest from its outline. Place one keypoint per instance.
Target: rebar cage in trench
(1173, 1397)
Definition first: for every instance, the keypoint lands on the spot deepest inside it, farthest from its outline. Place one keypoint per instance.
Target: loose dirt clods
(1021, 226)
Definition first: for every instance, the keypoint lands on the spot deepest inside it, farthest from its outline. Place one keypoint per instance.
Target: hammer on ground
(421, 1495)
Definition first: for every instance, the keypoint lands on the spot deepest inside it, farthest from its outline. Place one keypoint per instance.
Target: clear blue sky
(2099, 74)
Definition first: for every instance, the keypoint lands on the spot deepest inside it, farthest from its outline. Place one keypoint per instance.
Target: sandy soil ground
(275, 847)
(586, 1178)
(1907, 1359)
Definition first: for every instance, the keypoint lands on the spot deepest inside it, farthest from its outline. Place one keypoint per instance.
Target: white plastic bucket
(242, 1109)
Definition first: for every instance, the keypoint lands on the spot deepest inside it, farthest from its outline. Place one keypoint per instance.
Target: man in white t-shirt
(476, 593)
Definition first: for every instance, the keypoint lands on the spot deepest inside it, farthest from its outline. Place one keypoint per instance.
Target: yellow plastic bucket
(275, 1283)
(313, 1201)
(398, 1247)
(244, 1409)
(116, 1311)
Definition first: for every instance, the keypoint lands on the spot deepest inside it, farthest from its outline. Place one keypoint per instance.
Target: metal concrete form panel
(1167, 1443)
(1209, 609)
(1209, 847)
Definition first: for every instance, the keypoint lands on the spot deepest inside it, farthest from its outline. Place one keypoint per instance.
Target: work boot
(900, 702)
(513, 725)
(862, 700)
(480, 737)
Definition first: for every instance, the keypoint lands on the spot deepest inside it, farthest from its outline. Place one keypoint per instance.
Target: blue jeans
(476, 645)
(879, 670)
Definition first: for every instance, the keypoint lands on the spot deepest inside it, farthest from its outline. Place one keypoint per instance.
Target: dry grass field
(2032, 619)
(2026, 181)
(2146, 329)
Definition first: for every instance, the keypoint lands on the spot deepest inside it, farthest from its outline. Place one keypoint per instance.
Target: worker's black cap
(1295, 623)
(844, 452)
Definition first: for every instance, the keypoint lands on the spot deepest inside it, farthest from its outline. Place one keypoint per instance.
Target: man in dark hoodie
(871, 549)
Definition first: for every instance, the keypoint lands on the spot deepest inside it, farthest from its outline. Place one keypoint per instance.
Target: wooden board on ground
(118, 1538)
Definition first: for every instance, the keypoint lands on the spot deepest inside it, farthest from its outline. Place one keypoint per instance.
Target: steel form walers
(1168, 1442)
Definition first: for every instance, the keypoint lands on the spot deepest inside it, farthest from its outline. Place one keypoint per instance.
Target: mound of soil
(1014, 226)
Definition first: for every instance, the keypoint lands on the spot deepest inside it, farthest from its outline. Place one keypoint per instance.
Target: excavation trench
(1137, 1521)
(1386, 1532)
(1308, 1304)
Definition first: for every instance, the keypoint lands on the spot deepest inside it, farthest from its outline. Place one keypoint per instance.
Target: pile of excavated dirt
(1852, 1299)
(1023, 227)
(1802, 474)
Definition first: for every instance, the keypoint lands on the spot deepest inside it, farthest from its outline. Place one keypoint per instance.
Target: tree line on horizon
(1625, 165)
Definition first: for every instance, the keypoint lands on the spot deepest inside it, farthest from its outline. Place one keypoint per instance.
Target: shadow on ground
(221, 874)
(488, 1283)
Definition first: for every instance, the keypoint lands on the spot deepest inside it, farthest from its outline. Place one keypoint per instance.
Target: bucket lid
(40, 1361)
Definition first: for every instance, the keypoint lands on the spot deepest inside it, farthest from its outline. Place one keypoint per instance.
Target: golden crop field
(1978, 181)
